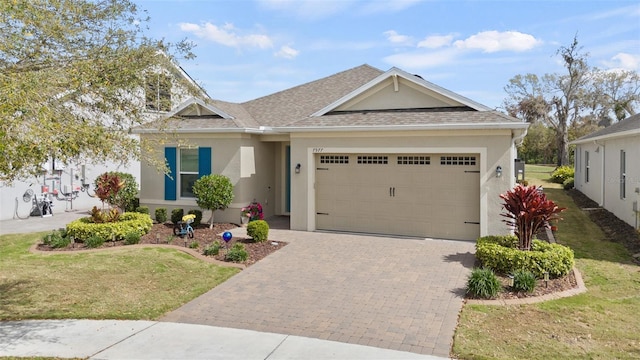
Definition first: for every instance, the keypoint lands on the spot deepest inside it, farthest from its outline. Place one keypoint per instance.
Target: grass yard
(119, 284)
(602, 323)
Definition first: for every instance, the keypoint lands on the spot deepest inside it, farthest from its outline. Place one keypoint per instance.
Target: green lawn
(119, 284)
(599, 324)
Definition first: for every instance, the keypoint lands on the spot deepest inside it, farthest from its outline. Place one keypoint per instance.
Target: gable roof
(627, 127)
(362, 98)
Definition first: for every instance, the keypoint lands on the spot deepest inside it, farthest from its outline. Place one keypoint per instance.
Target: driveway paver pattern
(400, 294)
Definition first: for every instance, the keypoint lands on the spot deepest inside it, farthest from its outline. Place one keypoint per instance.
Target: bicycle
(183, 227)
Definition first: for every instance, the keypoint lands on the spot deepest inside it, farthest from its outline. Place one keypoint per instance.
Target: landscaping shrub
(84, 228)
(527, 209)
(118, 189)
(132, 238)
(176, 215)
(93, 241)
(198, 219)
(483, 284)
(524, 280)
(258, 230)
(237, 253)
(161, 215)
(500, 253)
(142, 210)
(56, 239)
(194, 245)
(213, 249)
(562, 173)
(568, 184)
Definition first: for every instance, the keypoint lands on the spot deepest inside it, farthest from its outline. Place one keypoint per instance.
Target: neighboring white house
(607, 168)
(69, 187)
(363, 150)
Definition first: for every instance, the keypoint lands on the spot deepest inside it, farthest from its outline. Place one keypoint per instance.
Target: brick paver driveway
(400, 294)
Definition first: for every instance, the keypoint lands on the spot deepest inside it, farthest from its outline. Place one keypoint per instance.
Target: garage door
(425, 195)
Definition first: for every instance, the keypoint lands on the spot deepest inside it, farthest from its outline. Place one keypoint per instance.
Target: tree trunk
(211, 219)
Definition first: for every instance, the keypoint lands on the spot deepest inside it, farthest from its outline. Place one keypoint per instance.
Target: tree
(71, 74)
(213, 192)
(581, 95)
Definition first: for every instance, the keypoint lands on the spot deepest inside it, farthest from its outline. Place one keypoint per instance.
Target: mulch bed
(203, 237)
(615, 230)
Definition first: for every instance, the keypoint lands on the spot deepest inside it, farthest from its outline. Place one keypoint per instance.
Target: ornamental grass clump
(483, 284)
(524, 280)
(527, 210)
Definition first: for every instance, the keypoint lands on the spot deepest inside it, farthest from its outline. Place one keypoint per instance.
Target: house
(69, 187)
(607, 169)
(362, 150)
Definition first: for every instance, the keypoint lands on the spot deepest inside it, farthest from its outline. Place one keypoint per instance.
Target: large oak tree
(574, 102)
(72, 78)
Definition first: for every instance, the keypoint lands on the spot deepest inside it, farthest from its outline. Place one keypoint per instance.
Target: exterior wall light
(298, 166)
(499, 171)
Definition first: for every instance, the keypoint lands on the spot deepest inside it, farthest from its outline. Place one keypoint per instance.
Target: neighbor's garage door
(426, 195)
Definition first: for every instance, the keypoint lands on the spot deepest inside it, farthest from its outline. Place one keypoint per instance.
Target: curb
(579, 289)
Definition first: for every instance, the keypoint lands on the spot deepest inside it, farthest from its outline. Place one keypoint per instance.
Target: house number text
(318, 150)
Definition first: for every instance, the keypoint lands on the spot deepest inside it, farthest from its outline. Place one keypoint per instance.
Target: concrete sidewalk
(113, 339)
(36, 223)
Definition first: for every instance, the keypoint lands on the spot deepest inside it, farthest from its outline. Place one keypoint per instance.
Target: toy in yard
(183, 227)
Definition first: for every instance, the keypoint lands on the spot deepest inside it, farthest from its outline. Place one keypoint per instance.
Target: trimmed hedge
(129, 222)
(258, 230)
(501, 254)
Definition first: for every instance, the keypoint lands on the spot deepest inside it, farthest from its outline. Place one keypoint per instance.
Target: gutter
(467, 126)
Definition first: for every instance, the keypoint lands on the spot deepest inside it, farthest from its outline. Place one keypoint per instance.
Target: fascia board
(510, 126)
(606, 137)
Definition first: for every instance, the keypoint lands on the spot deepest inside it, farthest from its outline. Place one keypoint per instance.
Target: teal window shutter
(204, 161)
(170, 183)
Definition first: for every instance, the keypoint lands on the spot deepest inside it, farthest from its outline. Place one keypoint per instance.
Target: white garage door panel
(426, 195)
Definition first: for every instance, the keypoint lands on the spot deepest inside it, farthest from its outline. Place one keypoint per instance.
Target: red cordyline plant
(527, 210)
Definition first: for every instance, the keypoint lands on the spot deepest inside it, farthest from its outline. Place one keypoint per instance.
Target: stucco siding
(251, 180)
(591, 187)
(622, 207)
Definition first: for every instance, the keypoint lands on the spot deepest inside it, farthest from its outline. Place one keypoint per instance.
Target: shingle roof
(294, 107)
(297, 103)
(414, 117)
(628, 124)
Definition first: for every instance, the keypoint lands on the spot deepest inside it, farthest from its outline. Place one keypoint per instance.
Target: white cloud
(436, 41)
(397, 39)
(227, 35)
(624, 61)
(287, 52)
(493, 41)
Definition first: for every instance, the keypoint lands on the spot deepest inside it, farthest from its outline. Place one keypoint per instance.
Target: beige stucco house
(607, 169)
(363, 150)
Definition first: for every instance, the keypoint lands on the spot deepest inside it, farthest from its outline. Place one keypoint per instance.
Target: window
(334, 159)
(158, 93)
(623, 174)
(586, 166)
(373, 159)
(185, 167)
(414, 160)
(457, 160)
(188, 171)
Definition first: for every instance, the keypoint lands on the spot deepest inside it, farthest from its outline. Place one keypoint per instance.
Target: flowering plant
(253, 211)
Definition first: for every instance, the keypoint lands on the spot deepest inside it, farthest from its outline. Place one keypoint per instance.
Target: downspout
(602, 175)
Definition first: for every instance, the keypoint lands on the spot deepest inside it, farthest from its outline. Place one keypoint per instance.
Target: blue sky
(248, 49)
